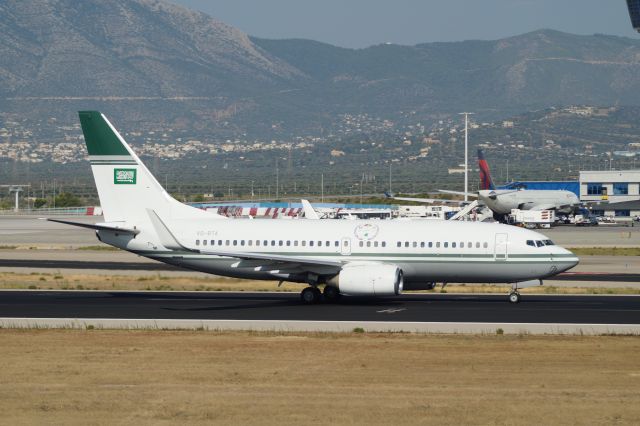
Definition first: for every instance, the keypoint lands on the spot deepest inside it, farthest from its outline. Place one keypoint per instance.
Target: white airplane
(502, 201)
(365, 258)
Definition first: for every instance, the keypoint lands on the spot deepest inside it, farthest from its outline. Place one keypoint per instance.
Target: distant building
(634, 13)
(612, 186)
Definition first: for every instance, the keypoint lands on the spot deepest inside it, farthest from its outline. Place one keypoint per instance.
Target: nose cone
(564, 259)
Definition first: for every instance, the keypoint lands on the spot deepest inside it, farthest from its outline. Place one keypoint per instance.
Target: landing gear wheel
(310, 295)
(514, 297)
(331, 294)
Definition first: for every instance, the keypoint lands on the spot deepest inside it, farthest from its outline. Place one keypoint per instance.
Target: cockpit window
(539, 243)
(531, 243)
(548, 243)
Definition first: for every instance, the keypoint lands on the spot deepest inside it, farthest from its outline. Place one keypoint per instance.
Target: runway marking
(391, 310)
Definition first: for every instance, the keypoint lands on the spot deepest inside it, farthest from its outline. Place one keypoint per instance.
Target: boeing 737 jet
(359, 257)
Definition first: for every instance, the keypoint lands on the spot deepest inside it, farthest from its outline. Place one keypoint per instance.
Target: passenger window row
(267, 243)
(444, 244)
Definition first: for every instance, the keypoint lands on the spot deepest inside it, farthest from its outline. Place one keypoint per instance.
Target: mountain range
(154, 62)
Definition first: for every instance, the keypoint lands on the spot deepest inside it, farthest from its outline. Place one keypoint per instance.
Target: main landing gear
(514, 297)
(312, 295)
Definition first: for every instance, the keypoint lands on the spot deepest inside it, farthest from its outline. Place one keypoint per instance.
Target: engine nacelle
(369, 280)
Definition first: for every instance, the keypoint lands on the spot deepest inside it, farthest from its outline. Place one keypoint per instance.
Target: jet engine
(369, 280)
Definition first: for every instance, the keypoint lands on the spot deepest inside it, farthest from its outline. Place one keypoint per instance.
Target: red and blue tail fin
(485, 175)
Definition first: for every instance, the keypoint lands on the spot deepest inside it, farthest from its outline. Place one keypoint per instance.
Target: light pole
(466, 155)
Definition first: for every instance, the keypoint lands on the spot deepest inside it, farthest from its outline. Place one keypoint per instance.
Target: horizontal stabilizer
(98, 226)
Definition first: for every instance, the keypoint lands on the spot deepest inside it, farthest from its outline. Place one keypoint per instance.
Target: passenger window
(462, 245)
(319, 243)
(485, 245)
(422, 244)
(430, 244)
(197, 242)
(368, 243)
(226, 243)
(204, 242)
(399, 244)
(249, 242)
(219, 242)
(360, 243)
(235, 242)
(265, 243)
(446, 244)
(453, 245)
(327, 243)
(375, 244)
(295, 243)
(304, 243)
(257, 242)
(477, 244)
(346, 243)
(415, 244)
(384, 244)
(337, 244)
(242, 242)
(288, 243)
(310, 243)
(280, 243)
(438, 244)
(469, 244)
(406, 243)
(273, 242)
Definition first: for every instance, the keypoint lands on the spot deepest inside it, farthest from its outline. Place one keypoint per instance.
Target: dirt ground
(170, 377)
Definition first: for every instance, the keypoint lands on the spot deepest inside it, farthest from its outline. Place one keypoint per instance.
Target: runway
(456, 308)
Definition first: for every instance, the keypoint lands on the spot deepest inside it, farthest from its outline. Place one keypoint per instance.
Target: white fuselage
(502, 201)
(426, 251)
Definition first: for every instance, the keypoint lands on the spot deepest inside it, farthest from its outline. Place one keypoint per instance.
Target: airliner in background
(359, 257)
(502, 201)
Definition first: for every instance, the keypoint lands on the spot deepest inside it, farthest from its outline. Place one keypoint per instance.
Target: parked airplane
(502, 201)
(368, 258)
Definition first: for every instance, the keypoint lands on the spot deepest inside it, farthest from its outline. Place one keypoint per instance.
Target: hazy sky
(361, 23)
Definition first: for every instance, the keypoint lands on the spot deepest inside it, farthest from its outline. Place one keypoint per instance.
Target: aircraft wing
(264, 261)
(427, 200)
(468, 194)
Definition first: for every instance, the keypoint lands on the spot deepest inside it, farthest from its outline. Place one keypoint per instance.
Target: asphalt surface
(285, 306)
(157, 266)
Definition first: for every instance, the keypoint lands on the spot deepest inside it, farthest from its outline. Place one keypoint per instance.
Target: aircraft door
(500, 250)
(345, 246)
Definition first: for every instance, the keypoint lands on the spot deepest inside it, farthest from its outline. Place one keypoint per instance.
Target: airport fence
(58, 211)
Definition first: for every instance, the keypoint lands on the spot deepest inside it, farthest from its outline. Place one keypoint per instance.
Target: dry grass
(158, 282)
(605, 251)
(147, 377)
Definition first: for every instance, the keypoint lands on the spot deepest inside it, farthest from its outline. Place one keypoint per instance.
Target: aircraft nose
(567, 260)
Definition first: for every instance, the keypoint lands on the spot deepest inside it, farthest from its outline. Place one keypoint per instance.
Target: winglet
(309, 212)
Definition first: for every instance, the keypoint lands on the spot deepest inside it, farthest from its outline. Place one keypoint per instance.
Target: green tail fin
(99, 136)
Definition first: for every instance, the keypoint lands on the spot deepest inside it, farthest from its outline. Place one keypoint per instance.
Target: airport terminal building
(617, 190)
